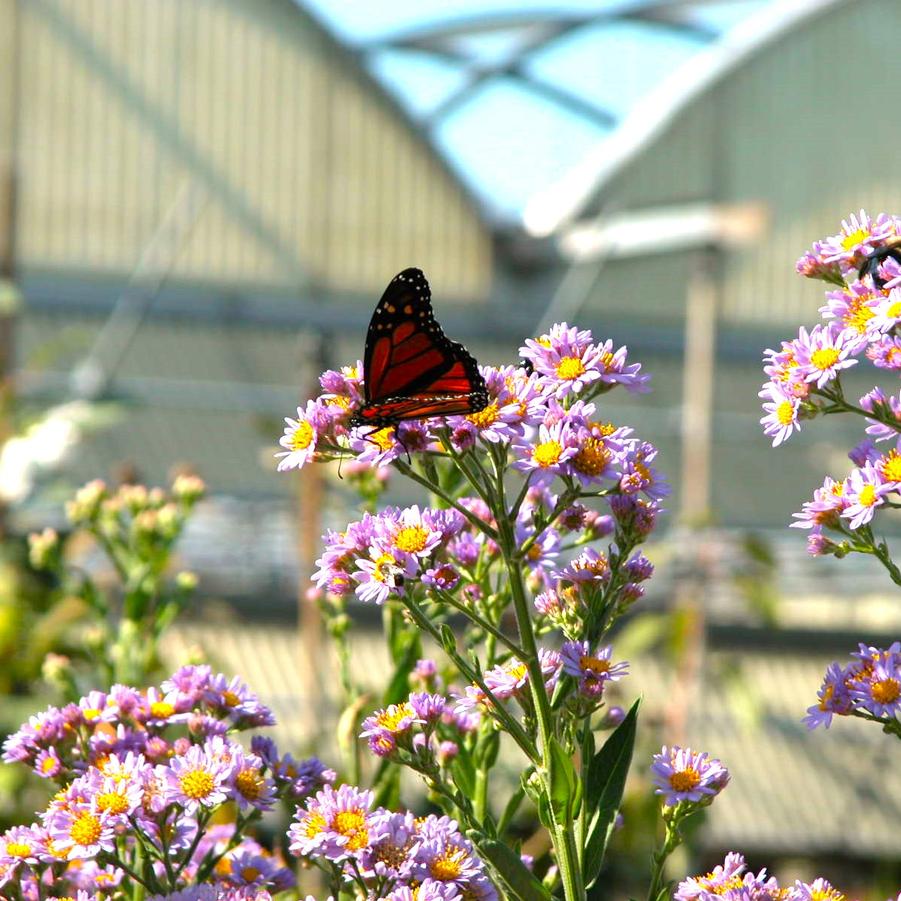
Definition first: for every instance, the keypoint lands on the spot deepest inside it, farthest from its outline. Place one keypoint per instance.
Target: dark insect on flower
(411, 369)
(875, 259)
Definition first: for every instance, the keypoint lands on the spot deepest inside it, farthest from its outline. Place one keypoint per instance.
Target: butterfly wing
(411, 369)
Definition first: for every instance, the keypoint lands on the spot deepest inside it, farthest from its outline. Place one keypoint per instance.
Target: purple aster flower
(549, 455)
(593, 670)
(879, 692)
(818, 890)
(887, 310)
(444, 577)
(681, 774)
(824, 510)
(382, 575)
(78, 830)
(446, 857)
(887, 408)
(301, 436)
(851, 309)
(724, 878)
(812, 265)
(864, 492)
(885, 352)
(781, 413)
(615, 370)
(858, 237)
(197, 779)
(465, 549)
(396, 719)
(391, 855)
(47, 765)
(544, 551)
(567, 356)
(637, 475)
(822, 355)
(428, 708)
(589, 566)
(335, 824)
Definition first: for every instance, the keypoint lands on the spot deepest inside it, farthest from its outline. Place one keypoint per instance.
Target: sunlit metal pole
(698, 376)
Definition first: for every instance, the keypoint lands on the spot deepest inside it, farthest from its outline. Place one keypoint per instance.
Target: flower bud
(85, 506)
(188, 489)
(43, 549)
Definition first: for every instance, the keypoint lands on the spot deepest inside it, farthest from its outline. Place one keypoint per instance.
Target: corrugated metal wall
(305, 172)
(805, 126)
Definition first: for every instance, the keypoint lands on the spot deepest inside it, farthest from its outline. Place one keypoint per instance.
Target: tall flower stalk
(538, 506)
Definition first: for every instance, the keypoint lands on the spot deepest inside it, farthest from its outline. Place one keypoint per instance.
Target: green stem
(658, 860)
(480, 621)
(479, 524)
(562, 835)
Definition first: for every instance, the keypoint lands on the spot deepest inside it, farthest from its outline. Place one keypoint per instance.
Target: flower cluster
(730, 881)
(143, 776)
(862, 315)
(684, 776)
(532, 409)
(392, 856)
(868, 687)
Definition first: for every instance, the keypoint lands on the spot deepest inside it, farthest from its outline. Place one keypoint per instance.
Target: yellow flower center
(824, 357)
(449, 865)
(708, 882)
(393, 716)
(826, 894)
(685, 780)
(544, 341)
(785, 412)
(90, 714)
(18, 849)
(352, 823)
(607, 359)
(547, 454)
(890, 466)
(851, 240)
(314, 824)
(894, 310)
(604, 429)
(517, 671)
(592, 458)
(161, 710)
(892, 356)
(570, 368)
(302, 437)
(411, 539)
(593, 665)
(867, 496)
(250, 783)
(250, 874)
(85, 830)
(384, 564)
(48, 765)
(230, 698)
(392, 856)
(384, 438)
(484, 418)
(197, 784)
(113, 802)
(886, 690)
(858, 314)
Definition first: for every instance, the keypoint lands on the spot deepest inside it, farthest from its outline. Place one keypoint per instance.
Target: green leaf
(519, 881)
(464, 773)
(510, 810)
(448, 639)
(606, 782)
(565, 787)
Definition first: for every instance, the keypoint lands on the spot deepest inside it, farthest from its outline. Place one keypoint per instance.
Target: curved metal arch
(557, 206)
(547, 27)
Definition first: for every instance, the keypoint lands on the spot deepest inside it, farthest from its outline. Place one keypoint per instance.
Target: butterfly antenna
(400, 441)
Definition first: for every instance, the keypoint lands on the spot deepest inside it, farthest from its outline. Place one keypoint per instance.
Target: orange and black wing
(411, 369)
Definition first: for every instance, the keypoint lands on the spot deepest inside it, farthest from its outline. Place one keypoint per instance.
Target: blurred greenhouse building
(202, 200)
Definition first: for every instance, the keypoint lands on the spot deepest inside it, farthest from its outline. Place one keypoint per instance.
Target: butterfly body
(411, 369)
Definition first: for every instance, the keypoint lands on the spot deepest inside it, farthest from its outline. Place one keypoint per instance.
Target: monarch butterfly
(411, 369)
